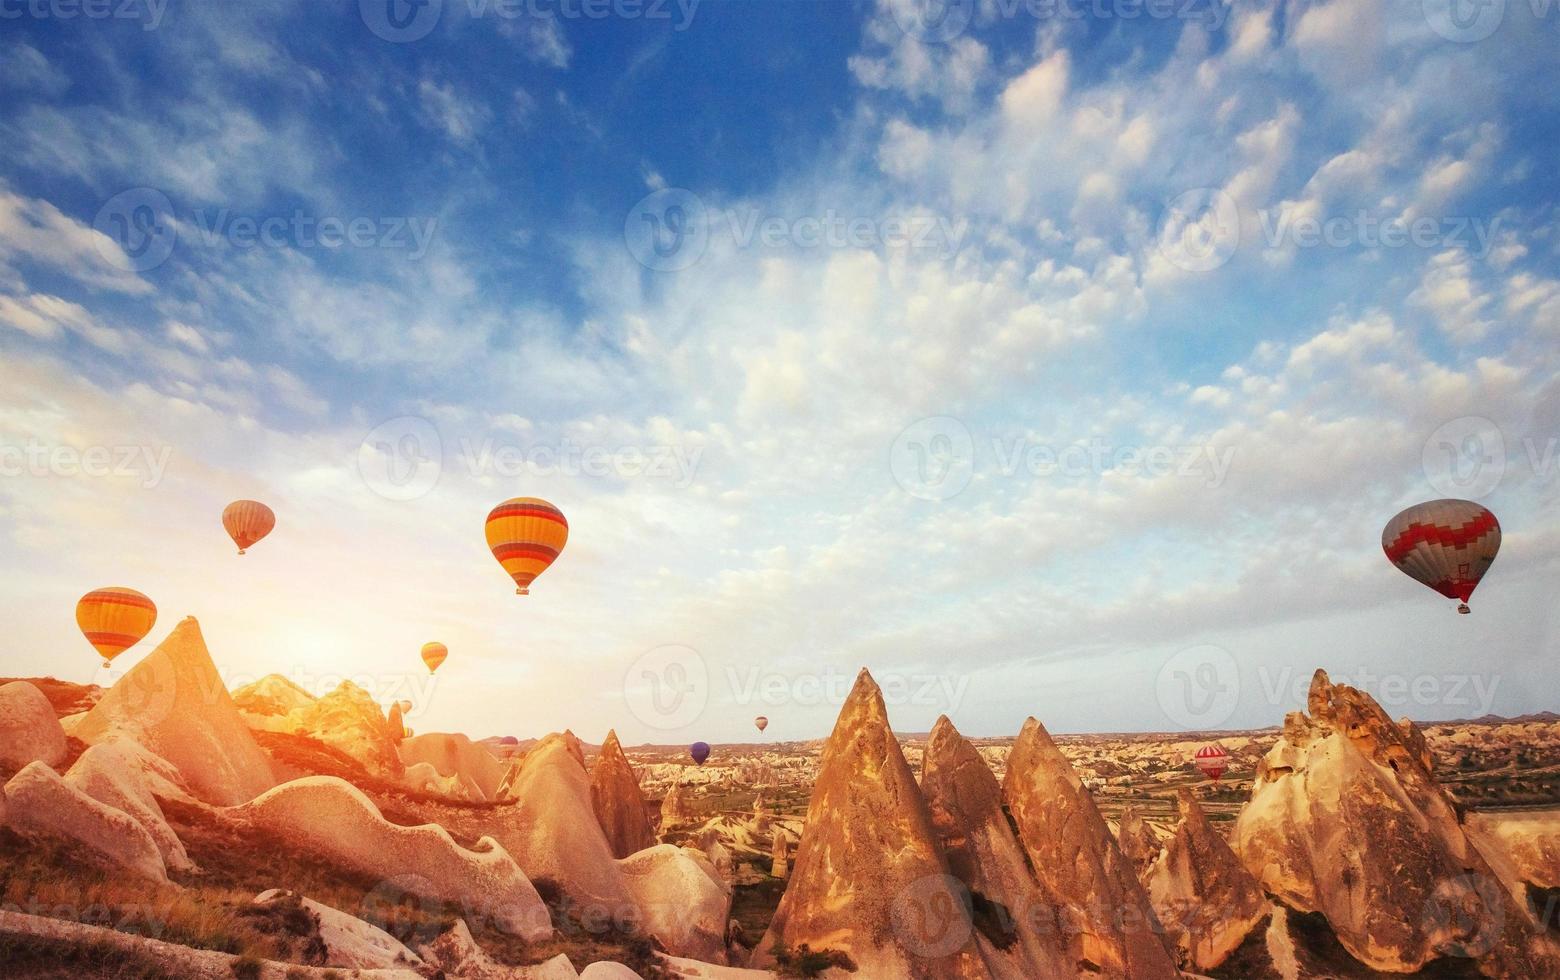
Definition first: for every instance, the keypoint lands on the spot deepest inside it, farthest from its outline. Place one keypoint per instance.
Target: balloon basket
(522, 592)
(1462, 608)
(242, 551)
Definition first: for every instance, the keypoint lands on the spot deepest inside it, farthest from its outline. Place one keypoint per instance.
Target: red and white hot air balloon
(247, 521)
(1447, 545)
(1212, 760)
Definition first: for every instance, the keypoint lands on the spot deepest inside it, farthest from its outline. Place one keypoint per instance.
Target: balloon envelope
(1213, 761)
(433, 654)
(526, 535)
(761, 722)
(115, 619)
(247, 521)
(1447, 545)
(699, 751)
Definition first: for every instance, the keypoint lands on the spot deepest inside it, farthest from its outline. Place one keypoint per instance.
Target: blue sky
(1022, 358)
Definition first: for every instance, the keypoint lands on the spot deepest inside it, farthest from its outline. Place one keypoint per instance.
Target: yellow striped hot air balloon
(526, 535)
(115, 619)
(434, 654)
(247, 521)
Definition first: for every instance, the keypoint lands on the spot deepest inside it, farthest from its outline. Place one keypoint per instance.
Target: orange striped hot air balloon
(1447, 545)
(526, 535)
(115, 619)
(247, 521)
(433, 655)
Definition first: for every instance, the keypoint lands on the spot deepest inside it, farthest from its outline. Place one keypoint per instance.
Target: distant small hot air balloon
(699, 751)
(1447, 545)
(433, 654)
(1212, 760)
(247, 521)
(761, 722)
(115, 619)
(526, 535)
(405, 706)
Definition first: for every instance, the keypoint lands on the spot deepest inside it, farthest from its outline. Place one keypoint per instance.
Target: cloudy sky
(1052, 359)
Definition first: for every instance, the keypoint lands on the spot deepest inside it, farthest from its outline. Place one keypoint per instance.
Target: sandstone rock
(424, 778)
(677, 808)
(1138, 842)
(123, 775)
(1080, 869)
(983, 852)
(349, 941)
(609, 971)
(552, 829)
(174, 703)
(781, 854)
(349, 719)
(458, 955)
(1205, 899)
(683, 901)
(332, 819)
(617, 801)
(29, 730)
(479, 771)
(869, 872)
(1530, 840)
(1346, 820)
(39, 802)
(267, 703)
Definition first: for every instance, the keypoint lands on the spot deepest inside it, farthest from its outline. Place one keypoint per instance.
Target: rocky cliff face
(1204, 898)
(984, 853)
(677, 808)
(1080, 869)
(352, 721)
(1138, 842)
(619, 805)
(1346, 820)
(870, 879)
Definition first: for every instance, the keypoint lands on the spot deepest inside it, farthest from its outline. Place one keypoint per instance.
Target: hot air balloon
(115, 619)
(433, 655)
(405, 706)
(247, 521)
(1445, 544)
(761, 722)
(699, 751)
(526, 534)
(1212, 760)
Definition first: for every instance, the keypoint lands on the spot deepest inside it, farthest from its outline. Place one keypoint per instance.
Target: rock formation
(1081, 871)
(349, 941)
(333, 820)
(456, 952)
(684, 904)
(677, 808)
(267, 703)
(552, 831)
(619, 805)
(983, 852)
(174, 703)
(39, 803)
(781, 854)
(349, 719)
(477, 769)
(1204, 898)
(1345, 819)
(870, 879)
(1530, 841)
(29, 730)
(1138, 842)
(121, 774)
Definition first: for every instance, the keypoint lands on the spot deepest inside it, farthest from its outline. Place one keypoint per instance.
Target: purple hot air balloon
(700, 751)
